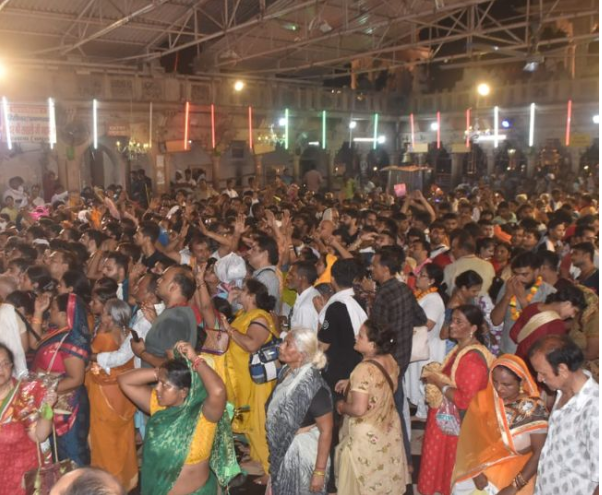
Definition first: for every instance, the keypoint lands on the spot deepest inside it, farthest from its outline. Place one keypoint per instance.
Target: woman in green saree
(188, 440)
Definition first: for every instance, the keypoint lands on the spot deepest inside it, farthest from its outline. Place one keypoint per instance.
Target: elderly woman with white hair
(299, 418)
(112, 440)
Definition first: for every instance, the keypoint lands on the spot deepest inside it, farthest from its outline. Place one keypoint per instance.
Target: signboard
(580, 140)
(263, 148)
(459, 148)
(420, 148)
(27, 124)
(118, 130)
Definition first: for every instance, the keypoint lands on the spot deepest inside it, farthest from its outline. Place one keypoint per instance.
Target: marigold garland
(419, 294)
(514, 312)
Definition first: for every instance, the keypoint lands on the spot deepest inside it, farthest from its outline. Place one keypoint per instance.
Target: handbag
(40, 481)
(421, 350)
(448, 418)
(216, 341)
(64, 403)
(263, 363)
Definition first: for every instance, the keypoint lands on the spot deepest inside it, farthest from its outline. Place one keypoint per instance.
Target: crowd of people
(294, 334)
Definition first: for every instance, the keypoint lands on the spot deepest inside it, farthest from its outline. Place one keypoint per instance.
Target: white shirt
(231, 193)
(569, 461)
(304, 312)
(108, 360)
(10, 336)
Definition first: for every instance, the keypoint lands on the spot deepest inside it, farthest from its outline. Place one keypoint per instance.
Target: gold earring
(521, 390)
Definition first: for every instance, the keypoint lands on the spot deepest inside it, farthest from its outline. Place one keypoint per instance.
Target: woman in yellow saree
(502, 434)
(252, 328)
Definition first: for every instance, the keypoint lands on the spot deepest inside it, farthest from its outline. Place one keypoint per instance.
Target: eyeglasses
(6, 364)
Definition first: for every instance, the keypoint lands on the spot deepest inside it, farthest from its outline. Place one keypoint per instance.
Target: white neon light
(9, 141)
(379, 139)
(500, 137)
(95, 122)
(51, 123)
(314, 143)
(496, 126)
(532, 125)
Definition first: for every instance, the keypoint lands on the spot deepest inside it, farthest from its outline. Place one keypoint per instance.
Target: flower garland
(514, 312)
(419, 294)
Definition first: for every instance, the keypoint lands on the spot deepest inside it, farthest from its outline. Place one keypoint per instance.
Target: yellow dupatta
(486, 444)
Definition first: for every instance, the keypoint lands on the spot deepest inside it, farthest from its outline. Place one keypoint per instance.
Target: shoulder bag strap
(28, 327)
(384, 372)
(56, 352)
(255, 322)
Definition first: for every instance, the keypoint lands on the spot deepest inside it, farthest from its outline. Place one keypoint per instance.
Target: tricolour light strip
(250, 127)
(286, 128)
(9, 141)
(412, 129)
(51, 123)
(375, 139)
(569, 114)
(186, 123)
(95, 122)
(496, 126)
(323, 129)
(438, 130)
(532, 125)
(213, 143)
(468, 128)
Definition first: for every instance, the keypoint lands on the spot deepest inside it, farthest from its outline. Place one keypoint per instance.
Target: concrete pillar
(531, 164)
(490, 154)
(160, 175)
(296, 167)
(456, 168)
(330, 170)
(575, 154)
(258, 169)
(168, 171)
(215, 175)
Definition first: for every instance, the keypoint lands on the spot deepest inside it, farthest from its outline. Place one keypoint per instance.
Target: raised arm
(136, 385)
(215, 403)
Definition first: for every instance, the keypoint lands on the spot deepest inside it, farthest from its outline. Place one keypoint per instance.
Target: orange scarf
(485, 444)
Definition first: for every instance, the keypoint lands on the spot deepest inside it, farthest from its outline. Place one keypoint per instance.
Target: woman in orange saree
(112, 440)
(502, 433)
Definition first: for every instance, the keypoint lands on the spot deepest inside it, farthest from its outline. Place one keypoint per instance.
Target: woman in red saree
(112, 439)
(21, 424)
(502, 433)
(462, 374)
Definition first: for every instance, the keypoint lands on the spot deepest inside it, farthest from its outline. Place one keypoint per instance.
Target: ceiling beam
(425, 43)
(238, 27)
(354, 29)
(117, 24)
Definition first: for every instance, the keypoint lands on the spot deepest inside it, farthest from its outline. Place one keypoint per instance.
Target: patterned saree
(167, 443)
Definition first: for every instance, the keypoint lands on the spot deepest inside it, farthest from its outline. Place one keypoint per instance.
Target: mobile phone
(135, 336)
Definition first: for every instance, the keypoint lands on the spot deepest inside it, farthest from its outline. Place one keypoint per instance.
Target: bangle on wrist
(198, 360)
(319, 473)
(36, 321)
(444, 389)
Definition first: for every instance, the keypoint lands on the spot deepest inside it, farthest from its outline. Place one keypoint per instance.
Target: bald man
(88, 481)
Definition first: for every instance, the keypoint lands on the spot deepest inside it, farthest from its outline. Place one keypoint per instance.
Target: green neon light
(375, 142)
(323, 129)
(286, 129)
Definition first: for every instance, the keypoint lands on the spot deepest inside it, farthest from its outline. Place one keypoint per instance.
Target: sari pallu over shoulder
(287, 408)
(486, 443)
(167, 443)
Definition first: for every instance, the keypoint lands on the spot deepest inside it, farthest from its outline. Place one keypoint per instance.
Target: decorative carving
(200, 93)
(89, 86)
(152, 90)
(121, 89)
